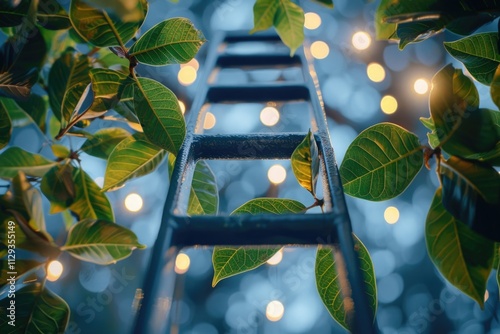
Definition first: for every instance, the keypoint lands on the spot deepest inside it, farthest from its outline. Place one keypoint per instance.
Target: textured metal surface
(177, 230)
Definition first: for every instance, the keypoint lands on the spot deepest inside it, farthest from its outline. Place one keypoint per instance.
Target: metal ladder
(178, 230)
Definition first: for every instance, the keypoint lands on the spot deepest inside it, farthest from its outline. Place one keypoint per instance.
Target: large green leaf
(263, 14)
(5, 126)
(36, 107)
(160, 115)
(173, 41)
(107, 86)
(51, 15)
(127, 10)
(100, 241)
(204, 196)
(479, 53)
(132, 157)
(103, 142)
(229, 261)
(461, 127)
(381, 162)
(59, 188)
(471, 193)
(15, 159)
(305, 163)
(463, 257)
(289, 23)
(13, 12)
(89, 201)
(101, 27)
(495, 87)
(37, 310)
(329, 285)
(68, 77)
(19, 268)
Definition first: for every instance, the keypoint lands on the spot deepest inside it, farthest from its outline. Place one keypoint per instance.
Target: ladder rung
(258, 60)
(257, 93)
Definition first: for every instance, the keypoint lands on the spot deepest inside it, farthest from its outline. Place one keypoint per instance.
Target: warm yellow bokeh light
(320, 50)
(187, 75)
(276, 258)
(193, 63)
(182, 262)
(389, 104)
(269, 116)
(276, 174)
(133, 202)
(182, 106)
(361, 40)
(421, 86)
(375, 72)
(391, 215)
(54, 270)
(312, 21)
(275, 310)
(210, 121)
(486, 295)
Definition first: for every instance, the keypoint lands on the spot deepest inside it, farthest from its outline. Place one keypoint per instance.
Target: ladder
(178, 230)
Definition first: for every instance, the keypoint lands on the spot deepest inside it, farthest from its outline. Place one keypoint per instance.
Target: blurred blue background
(363, 82)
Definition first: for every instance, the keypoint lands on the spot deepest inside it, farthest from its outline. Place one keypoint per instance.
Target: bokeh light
(187, 75)
(133, 202)
(193, 63)
(54, 270)
(312, 21)
(275, 310)
(320, 50)
(269, 116)
(391, 215)
(421, 86)
(375, 72)
(361, 40)
(210, 121)
(276, 258)
(486, 295)
(182, 263)
(389, 104)
(276, 174)
(182, 106)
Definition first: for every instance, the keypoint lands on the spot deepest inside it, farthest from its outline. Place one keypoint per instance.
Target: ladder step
(258, 60)
(257, 93)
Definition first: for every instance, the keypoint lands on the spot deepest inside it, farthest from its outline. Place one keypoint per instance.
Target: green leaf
(38, 310)
(20, 268)
(383, 29)
(463, 257)
(495, 87)
(15, 159)
(104, 141)
(461, 127)
(264, 12)
(381, 162)
(60, 151)
(174, 41)
(59, 188)
(101, 27)
(127, 10)
(107, 86)
(33, 202)
(326, 3)
(51, 15)
(160, 115)
(491, 157)
(289, 23)
(329, 285)
(204, 196)
(5, 126)
(68, 77)
(230, 261)
(305, 163)
(132, 157)
(89, 201)
(35, 106)
(13, 12)
(18, 116)
(100, 242)
(433, 138)
(471, 193)
(479, 53)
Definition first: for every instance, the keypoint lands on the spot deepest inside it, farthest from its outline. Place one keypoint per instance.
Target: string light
(187, 75)
(320, 50)
(182, 106)
(210, 121)
(391, 215)
(276, 174)
(375, 72)
(182, 263)
(54, 270)
(193, 63)
(312, 21)
(421, 86)
(269, 116)
(389, 104)
(361, 40)
(276, 258)
(133, 202)
(275, 310)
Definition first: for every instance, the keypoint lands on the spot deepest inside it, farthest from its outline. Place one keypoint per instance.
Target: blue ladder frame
(179, 230)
